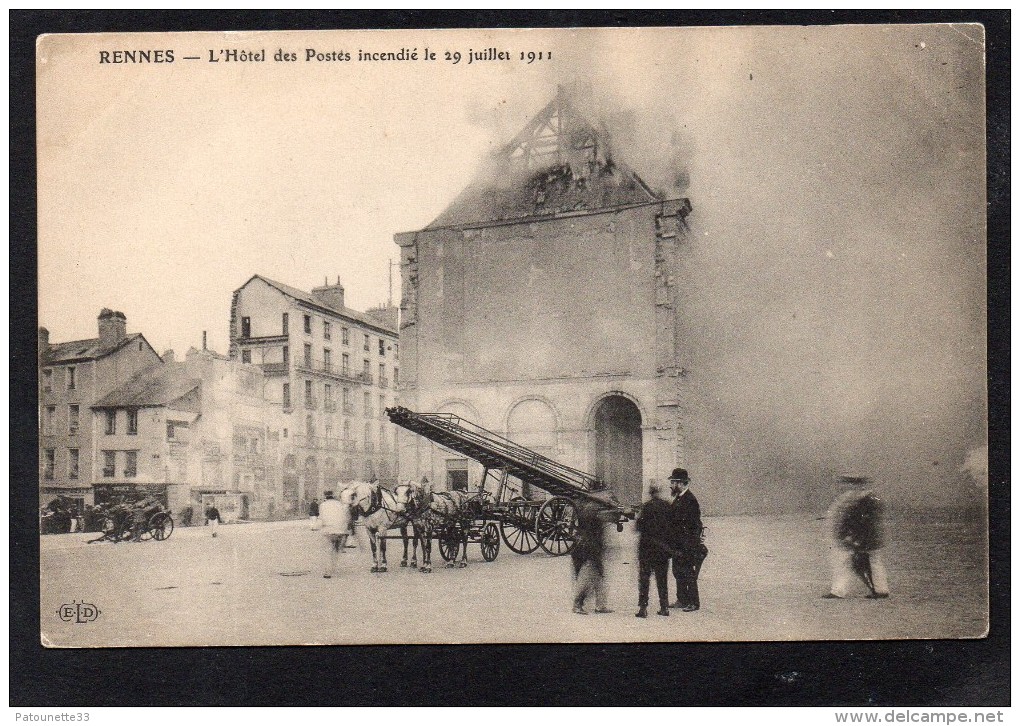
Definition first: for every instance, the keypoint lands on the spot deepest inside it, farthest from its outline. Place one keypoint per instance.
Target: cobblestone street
(262, 584)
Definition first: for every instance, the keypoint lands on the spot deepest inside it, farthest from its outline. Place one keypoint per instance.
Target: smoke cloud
(833, 290)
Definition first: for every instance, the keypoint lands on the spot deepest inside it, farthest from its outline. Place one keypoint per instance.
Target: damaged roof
(81, 350)
(157, 385)
(309, 299)
(559, 163)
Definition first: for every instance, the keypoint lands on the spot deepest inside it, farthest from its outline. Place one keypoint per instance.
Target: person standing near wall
(212, 517)
(654, 526)
(313, 513)
(690, 550)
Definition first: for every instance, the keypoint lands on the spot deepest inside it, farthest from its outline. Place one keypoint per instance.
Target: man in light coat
(335, 519)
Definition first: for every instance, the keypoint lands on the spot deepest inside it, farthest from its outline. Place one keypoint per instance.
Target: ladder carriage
(501, 507)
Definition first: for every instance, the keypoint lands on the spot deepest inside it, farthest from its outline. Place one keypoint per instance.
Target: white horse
(379, 509)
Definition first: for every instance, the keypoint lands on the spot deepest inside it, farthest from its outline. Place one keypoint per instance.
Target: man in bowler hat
(690, 551)
(654, 525)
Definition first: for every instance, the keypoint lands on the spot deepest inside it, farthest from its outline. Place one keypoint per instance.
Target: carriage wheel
(490, 542)
(518, 527)
(449, 542)
(557, 526)
(161, 526)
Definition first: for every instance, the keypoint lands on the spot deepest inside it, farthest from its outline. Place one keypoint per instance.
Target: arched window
(532, 423)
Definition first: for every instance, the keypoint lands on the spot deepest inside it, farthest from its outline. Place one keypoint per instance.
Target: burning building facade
(543, 304)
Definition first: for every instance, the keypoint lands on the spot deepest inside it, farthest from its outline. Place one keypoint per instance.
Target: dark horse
(438, 512)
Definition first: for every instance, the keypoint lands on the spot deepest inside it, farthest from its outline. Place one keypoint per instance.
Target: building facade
(192, 434)
(72, 377)
(332, 371)
(543, 305)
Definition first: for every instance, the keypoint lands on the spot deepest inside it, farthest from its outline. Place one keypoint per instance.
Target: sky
(836, 264)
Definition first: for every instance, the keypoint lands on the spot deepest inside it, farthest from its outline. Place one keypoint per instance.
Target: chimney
(112, 327)
(330, 295)
(44, 340)
(205, 345)
(168, 355)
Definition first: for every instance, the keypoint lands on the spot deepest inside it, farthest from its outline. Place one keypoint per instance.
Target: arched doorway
(618, 458)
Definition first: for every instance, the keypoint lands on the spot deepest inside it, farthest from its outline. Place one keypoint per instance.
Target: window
(382, 405)
(346, 360)
(347, 430)
(48, 417)
(396, 376)
(368, 343)
(382, 374)
(111, 423)
(132, 423)
(73, 418)
(286, 324)
(308, 355)
(286, 355)
(368, 404)
(49, 462)
(326, 330)
(327, 359)
(109, 464)
(382, 347)
(396, 350)
(368, 436)
(308, 394)
(72, 463)
(366, 368)
(345, 336)
(246, 356)
(245, 327)
(382, 437)
(286, 395)
(310, 426)
(347, 398)
(327, 394)
(72, 381)
(170, 432)
(308, 324)
(130, 464)
(48, 380)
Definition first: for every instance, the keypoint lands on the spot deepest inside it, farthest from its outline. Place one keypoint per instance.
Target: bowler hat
(679, 475)
(328, 493)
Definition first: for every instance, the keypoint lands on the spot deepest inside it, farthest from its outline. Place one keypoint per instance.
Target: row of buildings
(297, 406)
(545, 304)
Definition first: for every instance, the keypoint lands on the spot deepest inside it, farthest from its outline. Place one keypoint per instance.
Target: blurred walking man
(588, 559)
(856, 518)
(335, 518)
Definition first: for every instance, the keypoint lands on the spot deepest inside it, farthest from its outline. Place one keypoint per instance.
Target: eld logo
(78, 612)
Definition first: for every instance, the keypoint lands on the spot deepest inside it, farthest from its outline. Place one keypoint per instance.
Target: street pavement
(262, 584)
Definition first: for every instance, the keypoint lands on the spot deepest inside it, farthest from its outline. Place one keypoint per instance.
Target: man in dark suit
(654, 525)
(689, 550)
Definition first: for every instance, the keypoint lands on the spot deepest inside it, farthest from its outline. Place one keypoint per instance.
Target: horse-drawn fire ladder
(524, 524)
(496, 452)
